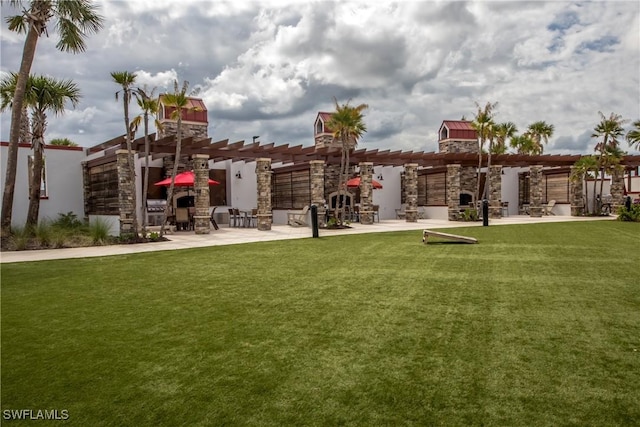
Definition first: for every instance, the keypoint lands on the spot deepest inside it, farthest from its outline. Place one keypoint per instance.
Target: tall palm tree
(75, 20)
(583, 168)
(42, 94)
(126, 80)
(149, 106)
(633, 136)
(348, 126)
(483, 124)
(504, 131)
(180, 101)
(539, 132)
(609, 130)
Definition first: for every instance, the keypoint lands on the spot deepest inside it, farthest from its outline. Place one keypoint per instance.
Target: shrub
(632, 214)
(99, 232)
(470, 215)
(68, 221)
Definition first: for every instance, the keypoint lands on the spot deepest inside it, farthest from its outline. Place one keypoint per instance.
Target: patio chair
(298, 218)
(252, 218)
(212, 219)
(234, 218)
(401, 213)
(183, 220)
(548, 207)
(376, 212)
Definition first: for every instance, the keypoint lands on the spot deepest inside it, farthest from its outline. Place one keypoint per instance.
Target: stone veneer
(125, 197)
(535, 191)
(263, 175)
(453, 192)
(457, 146)
(617, 189)
(317, 189)
(197, 130)
(576, 193)
(201, 185)
(495, 191)
(411, 188)
(366, 192)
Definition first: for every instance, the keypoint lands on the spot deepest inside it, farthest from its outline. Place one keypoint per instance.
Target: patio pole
(366, 193)
(263, 175)
(535, 191)
(201, 186)
(411, 186)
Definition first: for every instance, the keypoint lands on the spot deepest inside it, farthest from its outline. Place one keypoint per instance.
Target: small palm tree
(539, 132)
(609, 130)
(504, 131)
(484, 125)
(523, 144)
(633, 136)
(180, 101)
(75, 20)
(348, 127)
(149, 106)
(43, 94)
(126, 80)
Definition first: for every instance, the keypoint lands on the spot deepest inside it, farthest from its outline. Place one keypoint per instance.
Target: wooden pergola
(298, 154)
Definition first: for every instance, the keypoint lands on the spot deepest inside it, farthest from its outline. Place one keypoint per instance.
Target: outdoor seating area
(243, 218)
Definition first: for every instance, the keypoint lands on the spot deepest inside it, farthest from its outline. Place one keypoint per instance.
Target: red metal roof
(458, 129)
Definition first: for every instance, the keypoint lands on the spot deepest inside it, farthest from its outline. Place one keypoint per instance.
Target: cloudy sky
(268, 67)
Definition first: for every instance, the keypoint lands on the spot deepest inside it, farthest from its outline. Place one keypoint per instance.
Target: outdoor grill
(155, 211)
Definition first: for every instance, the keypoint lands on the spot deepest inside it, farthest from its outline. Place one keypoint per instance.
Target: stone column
(617, 189)
(453, 191)
(263, 175)
(201, 185)
(366, 192)
(535, 191)
(411, 186)
(125, 197)
(576, 193)
(317, 189)
(495, 191)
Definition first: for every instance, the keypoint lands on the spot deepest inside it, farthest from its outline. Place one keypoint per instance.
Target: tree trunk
(145, 184)
(28, 54)
(39, 125)
(132, 172)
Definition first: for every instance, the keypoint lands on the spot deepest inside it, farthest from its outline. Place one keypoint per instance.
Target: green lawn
(537, 325)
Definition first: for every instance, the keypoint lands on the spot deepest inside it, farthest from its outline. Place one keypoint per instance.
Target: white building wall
(63, 167)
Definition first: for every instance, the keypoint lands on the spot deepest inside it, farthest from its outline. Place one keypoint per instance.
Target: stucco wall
(64, 183)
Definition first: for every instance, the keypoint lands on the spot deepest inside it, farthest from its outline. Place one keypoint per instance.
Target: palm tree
(483, 124)
(633, 136)
(42, 94)
(538, 132)
(504, 131)
(523, 144)
(609, 130)
(127, 80)
(75, 20)
(348, 127)
(149, 106)
(583, 168)
(180, 101)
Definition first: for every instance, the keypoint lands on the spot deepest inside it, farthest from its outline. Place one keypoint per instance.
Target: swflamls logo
(35, 414)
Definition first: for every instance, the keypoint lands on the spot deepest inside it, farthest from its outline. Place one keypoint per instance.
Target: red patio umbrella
(355, 182)
(184, 179)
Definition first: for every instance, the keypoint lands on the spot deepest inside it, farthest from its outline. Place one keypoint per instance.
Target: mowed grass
(535, 325)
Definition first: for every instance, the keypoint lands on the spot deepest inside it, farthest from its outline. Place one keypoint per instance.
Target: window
(444, 133)
(43, 179)
(291, 190)
(319, 126)
(557, 187)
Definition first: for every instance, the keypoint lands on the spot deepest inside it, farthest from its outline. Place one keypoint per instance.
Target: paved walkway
(231, 236)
